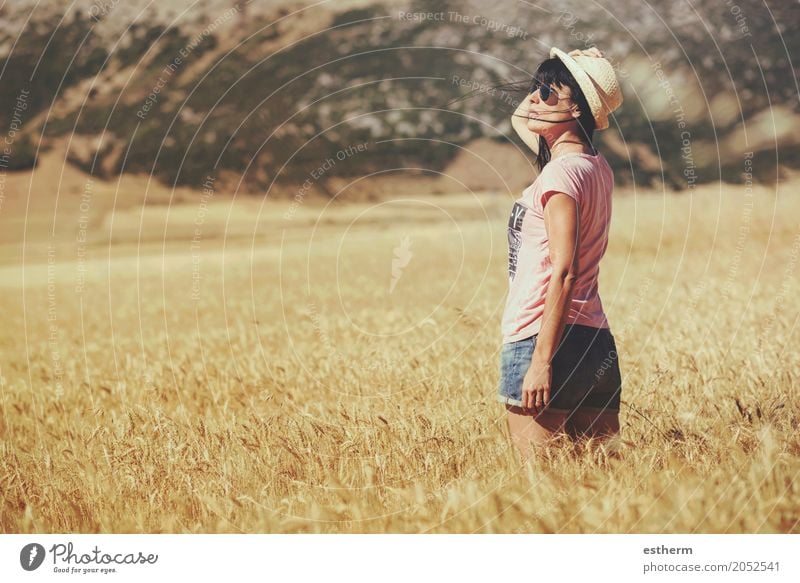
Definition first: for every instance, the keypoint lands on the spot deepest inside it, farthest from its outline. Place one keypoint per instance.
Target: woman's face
(558, 107)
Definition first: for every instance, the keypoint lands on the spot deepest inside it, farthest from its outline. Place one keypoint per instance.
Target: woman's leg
(531, 432)
(593, 423)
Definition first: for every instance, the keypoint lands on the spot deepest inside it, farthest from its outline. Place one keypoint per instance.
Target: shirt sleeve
(557, 178)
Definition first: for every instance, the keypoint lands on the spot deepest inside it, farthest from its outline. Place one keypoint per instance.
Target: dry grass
(298, 394)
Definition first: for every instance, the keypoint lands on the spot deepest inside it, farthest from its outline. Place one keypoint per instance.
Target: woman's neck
(578, 148)
(568, 143)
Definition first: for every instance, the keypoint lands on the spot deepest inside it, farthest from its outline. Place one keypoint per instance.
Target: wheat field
(334, 368)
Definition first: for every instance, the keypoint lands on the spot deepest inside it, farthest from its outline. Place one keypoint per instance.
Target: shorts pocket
(514, 361)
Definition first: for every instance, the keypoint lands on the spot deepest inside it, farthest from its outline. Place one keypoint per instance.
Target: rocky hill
(263, 95)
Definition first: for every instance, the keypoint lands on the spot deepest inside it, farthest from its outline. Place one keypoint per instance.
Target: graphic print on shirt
(514, 237)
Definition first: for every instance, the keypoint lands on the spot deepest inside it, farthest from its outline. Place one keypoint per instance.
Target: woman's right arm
(519, 121)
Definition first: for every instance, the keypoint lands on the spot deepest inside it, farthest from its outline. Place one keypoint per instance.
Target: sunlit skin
(531, 427)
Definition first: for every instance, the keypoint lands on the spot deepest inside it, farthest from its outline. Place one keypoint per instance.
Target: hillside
(262, 95)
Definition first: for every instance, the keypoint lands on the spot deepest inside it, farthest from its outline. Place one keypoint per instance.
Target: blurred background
(256, 96)
(258, 93)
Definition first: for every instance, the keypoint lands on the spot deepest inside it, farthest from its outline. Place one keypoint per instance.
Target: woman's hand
(536, 385)
(519, 121)
(590, 52)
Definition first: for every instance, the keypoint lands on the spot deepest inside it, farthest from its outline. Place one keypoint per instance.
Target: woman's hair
(552, 72)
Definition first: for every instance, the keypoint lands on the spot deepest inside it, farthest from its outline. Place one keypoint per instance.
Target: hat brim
(587, 86)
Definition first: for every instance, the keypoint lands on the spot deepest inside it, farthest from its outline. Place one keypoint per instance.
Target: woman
(559, 366)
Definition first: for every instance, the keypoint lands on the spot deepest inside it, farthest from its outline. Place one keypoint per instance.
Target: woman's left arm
(561, 219)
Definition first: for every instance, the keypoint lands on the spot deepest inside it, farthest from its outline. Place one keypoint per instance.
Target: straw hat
(597, 80)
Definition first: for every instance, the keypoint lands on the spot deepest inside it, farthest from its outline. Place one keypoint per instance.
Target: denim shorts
(585, 371)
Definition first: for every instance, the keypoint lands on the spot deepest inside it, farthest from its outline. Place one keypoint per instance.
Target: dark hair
(551, 71)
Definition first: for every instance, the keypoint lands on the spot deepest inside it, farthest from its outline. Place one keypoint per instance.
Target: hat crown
(597, 80)
(604, 79)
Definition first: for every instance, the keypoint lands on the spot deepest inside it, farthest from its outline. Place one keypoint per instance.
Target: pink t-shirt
(589, 180)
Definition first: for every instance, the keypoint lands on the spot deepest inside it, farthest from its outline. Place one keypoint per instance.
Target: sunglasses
(545, 91)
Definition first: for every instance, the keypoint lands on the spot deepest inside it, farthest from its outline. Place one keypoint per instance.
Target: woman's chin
(536, 126)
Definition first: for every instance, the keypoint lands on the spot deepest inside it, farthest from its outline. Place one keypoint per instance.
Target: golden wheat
(280, 384)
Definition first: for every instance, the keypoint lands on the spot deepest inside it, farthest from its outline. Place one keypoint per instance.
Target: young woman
(558, 363)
